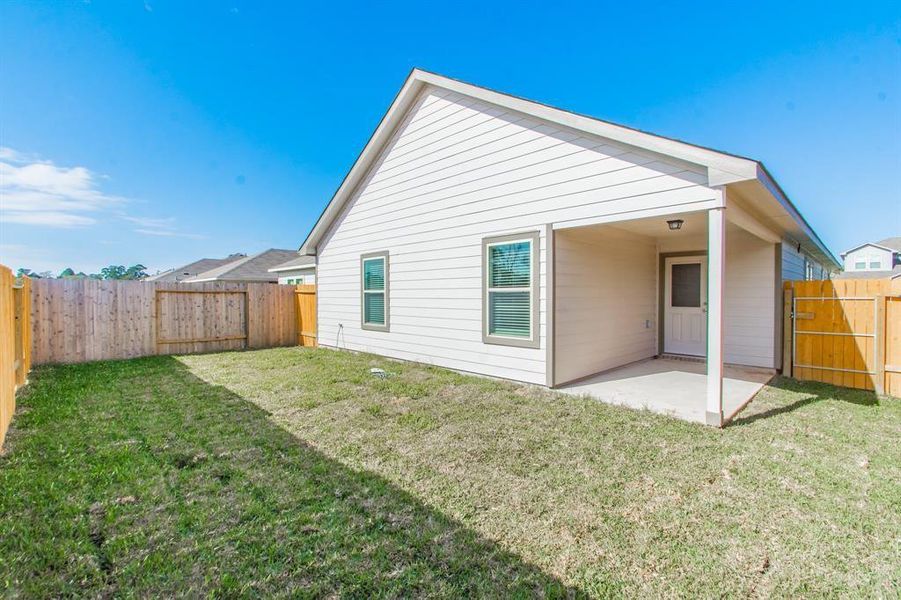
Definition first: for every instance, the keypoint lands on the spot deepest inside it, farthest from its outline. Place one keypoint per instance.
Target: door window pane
(686, 285)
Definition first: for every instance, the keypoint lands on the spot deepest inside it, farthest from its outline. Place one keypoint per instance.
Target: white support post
(716, 273)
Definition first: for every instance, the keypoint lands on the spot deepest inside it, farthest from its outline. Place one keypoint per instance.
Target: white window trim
(533, 341)
(383, 255)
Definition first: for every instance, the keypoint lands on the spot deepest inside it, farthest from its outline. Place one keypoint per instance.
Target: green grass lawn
(295, 472)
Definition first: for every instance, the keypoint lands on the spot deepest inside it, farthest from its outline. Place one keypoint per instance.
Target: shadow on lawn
(814, 392)
(227, 502)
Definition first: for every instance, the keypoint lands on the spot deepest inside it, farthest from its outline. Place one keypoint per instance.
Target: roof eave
(292, 268)
(767, 180)
(404, 98)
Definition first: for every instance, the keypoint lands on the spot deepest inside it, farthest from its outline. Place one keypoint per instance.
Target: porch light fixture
(675, 224)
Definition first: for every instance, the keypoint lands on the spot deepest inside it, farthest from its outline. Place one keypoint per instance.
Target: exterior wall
(605, 302)
(457, 171)
(794, 264)
(306, 276)
(749, 328)
(868, 254)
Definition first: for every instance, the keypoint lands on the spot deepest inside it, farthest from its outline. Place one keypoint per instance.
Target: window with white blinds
(374, 291)
(510, 282)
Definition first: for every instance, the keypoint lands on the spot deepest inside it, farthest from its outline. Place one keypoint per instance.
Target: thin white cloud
(160, 227)
(35, 192)
(165, 233)
(152, 222)
(47, 218)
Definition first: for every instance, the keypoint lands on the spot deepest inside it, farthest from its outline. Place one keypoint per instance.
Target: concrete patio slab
(671, 386)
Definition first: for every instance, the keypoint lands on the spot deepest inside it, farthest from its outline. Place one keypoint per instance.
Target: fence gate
(845, 332)
(190, 320)
(305, 302)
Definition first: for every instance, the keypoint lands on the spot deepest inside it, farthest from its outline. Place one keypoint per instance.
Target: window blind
(509, 289)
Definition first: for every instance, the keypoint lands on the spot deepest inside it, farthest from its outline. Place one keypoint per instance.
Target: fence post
(18, 334)
(879, 345)
(787, 330)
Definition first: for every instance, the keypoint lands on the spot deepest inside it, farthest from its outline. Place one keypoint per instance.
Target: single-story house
(249, 269)
(192, 269)
(873, 260)
(298, 270)
(495, 235)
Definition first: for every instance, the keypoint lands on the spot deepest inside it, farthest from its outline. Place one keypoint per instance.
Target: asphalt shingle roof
(893, 242)
(192, 269)
(300, 260)
(248, 268)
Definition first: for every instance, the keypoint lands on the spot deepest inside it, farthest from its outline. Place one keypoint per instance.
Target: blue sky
(159, 132)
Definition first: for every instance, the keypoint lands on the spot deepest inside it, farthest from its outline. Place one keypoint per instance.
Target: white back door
(685, 305)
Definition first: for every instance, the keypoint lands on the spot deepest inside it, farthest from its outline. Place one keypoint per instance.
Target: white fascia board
(773, 188)
(371, 151)
(722, 168)
(294, 268)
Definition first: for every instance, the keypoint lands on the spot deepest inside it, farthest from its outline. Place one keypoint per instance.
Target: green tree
(138, 271)
(112, 272)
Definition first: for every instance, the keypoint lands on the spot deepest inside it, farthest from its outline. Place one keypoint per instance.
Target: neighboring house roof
(192, 269)
(298, 262)
(248, 268)
(722, 168)
(890, 244)
(895, 272)
(894, 243)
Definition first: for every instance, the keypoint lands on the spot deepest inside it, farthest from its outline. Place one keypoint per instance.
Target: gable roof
(722, 168)
(892, 244)
(192, 269)
(300, 261)
(248, 268)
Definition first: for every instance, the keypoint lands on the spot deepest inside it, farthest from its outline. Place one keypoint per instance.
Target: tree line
(133, 272)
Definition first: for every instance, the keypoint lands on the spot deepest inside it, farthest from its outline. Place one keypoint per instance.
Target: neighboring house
(491, 234)
(246, 269)
(873, 260)
(192, 269)
(299, 270)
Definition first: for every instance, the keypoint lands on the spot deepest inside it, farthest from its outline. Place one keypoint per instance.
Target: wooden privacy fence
(81, 320)
(305, 299)
(15, 343)
(844, 331)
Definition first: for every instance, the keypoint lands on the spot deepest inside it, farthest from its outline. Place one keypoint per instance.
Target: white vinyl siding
(794, 264)
(605, 302)
(305, 276)
(458, 171)
(868, 258)
(749, 304)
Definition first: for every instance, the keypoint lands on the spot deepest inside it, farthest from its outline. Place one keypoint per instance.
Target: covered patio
(674, 387)
(675, 312)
